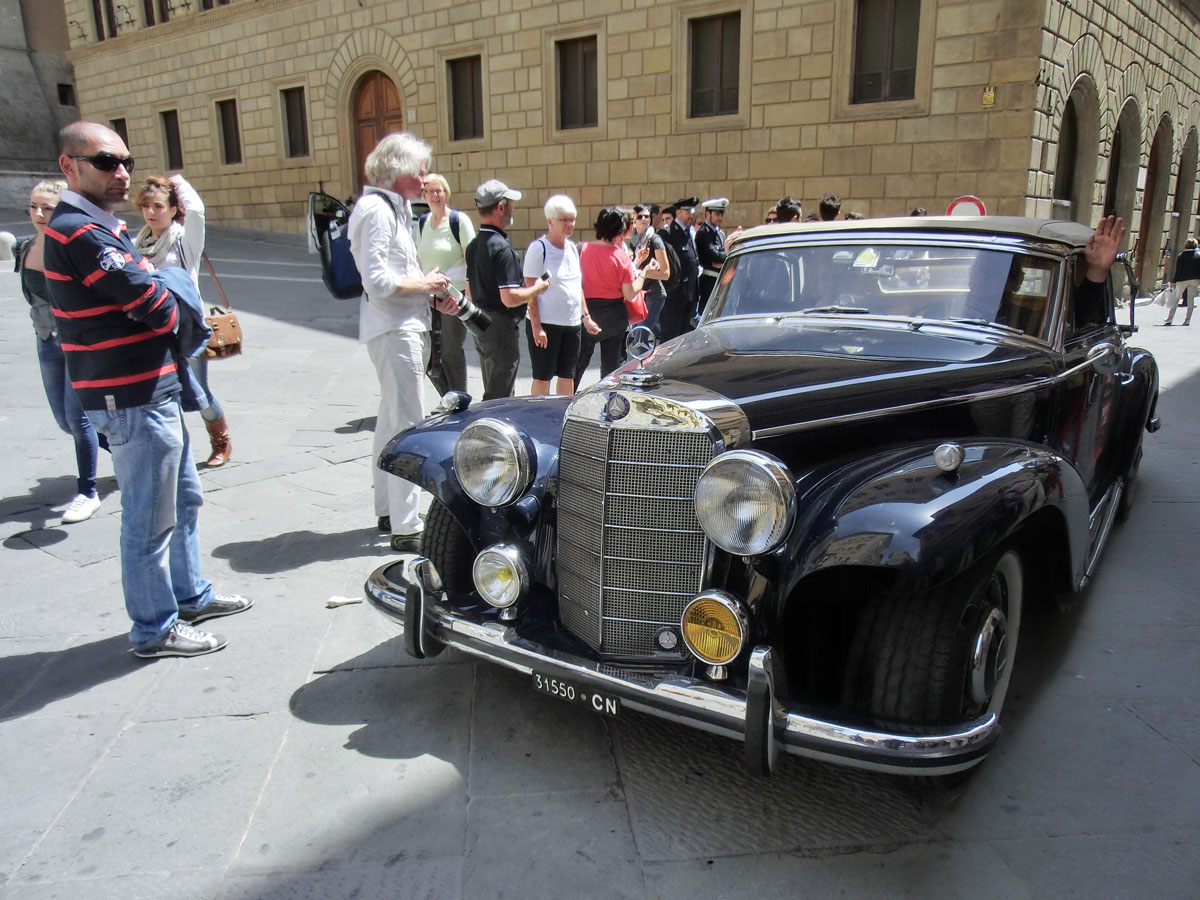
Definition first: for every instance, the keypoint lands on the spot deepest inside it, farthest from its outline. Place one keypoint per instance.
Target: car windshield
(986, 288)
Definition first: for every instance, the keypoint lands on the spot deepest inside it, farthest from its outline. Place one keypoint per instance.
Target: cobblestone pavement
(312, 759)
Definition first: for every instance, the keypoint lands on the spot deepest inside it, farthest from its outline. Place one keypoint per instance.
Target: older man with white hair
(393, 315)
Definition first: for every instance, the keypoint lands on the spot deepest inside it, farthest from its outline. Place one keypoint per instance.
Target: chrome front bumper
(755, 716)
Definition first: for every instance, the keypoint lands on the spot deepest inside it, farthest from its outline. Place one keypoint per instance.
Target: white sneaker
(80, 509)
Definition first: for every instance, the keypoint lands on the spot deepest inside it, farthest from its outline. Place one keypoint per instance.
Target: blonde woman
(174, 236)
(444, 235)
(64, 403)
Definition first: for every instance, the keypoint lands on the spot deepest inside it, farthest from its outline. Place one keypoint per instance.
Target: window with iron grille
(885, 50)
(577, 101)
(466, 97)
(231, 139)
(172, 145)
(295, 121)
(714, 55)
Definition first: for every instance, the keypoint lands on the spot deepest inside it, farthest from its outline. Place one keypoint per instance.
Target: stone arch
(1132, 86)
(1185, 191)
(1078, 151)
(1124, 160)
(361, 52)
(1154, 200)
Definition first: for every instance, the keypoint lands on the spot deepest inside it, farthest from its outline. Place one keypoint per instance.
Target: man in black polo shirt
(497, 285)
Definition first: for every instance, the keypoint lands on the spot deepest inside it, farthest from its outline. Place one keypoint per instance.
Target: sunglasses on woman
(106, 162)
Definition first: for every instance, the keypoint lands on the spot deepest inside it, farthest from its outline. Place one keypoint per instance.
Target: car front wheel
(942, 656)
(446, 544)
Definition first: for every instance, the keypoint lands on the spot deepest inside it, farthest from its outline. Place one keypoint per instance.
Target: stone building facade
(1040, 107)
(38, 96)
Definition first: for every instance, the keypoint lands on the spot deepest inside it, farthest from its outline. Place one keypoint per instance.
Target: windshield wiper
(849, 310)
(986, 323)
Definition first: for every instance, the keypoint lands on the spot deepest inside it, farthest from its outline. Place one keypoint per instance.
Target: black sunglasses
(106, 162)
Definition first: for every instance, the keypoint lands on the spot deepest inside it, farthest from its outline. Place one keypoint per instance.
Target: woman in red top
(609, 279)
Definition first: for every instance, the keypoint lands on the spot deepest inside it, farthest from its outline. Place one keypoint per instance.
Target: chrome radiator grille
(630, 551)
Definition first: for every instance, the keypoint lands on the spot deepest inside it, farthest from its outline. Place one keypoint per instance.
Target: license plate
(597, 701)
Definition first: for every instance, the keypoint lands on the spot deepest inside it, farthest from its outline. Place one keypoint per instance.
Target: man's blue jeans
(161, 497)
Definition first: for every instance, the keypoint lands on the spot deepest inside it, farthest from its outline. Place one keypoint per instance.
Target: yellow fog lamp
(715, 627)
(500, 575)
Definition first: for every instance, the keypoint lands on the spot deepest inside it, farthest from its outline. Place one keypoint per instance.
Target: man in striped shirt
(118, 330)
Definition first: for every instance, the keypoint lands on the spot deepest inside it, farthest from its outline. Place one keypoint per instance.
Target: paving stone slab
(917, 871)
(373, 770)
(178, 884)
(525, 742)
(410, 879)
(87, 675)
(1163, 864)
(1069, 766)
(690, 796)
(203, 770)
(46, 761)
(550, 846)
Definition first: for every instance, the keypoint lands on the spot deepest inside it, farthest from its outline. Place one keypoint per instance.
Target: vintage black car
(812, 523)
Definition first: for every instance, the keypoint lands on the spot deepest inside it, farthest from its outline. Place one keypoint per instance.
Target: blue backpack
(338, 269)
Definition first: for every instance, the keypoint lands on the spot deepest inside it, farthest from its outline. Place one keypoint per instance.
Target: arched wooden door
(377, 111)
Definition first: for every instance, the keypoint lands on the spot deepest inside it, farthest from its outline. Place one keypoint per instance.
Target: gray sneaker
(183, 640)
(221, 605)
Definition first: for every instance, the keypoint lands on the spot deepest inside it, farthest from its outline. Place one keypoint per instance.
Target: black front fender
(905, 515)
(424, 455)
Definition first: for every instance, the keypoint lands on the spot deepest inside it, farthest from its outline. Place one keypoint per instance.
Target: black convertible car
(812, 523)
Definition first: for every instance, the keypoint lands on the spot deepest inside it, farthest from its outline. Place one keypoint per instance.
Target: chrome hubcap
(989, 657)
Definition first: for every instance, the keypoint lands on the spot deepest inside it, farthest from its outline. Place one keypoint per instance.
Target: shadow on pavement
(293, 549)
(38, 679)
(36, 508)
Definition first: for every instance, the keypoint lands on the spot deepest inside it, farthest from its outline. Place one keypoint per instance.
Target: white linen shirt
(382, 246)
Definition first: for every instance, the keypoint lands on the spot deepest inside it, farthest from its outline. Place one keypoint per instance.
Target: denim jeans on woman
(161, 498)
(64, 404)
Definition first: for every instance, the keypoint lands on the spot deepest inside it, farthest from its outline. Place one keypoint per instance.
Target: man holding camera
(497, 286)
(393, 315)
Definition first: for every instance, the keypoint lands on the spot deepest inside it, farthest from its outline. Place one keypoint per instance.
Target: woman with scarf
(174, 236)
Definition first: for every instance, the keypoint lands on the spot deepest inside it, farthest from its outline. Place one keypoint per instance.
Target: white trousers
(1175, 294)
(399, 358)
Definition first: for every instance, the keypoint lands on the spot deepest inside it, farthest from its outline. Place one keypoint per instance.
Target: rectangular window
(713, 58)
(295, 121)
(885, 50)
(148, 12)
(172, 146)
(118, 125)
(227, 126)
(577, 83)
(212, 4)
(98, 20)
(466, 97)
(66, 94)
(110, 17)
(164, 11)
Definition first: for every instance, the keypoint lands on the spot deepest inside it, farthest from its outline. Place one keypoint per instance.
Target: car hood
(793, 370)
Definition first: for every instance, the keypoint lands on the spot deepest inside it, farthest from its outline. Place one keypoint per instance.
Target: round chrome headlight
(715, 627)
(492, 462)
(746, 502)
(500, 575)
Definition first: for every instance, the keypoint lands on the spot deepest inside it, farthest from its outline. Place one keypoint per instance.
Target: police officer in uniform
(710, 247)
(676, 317)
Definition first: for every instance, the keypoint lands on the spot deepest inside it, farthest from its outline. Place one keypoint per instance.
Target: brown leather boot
(222, 446)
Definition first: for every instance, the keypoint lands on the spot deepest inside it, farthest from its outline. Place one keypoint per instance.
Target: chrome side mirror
(1104, 358)
(1126, 259)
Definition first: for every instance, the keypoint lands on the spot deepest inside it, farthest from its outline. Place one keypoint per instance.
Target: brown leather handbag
(226, 339)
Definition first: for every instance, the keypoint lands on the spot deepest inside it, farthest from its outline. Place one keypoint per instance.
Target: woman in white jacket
(174, 236)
